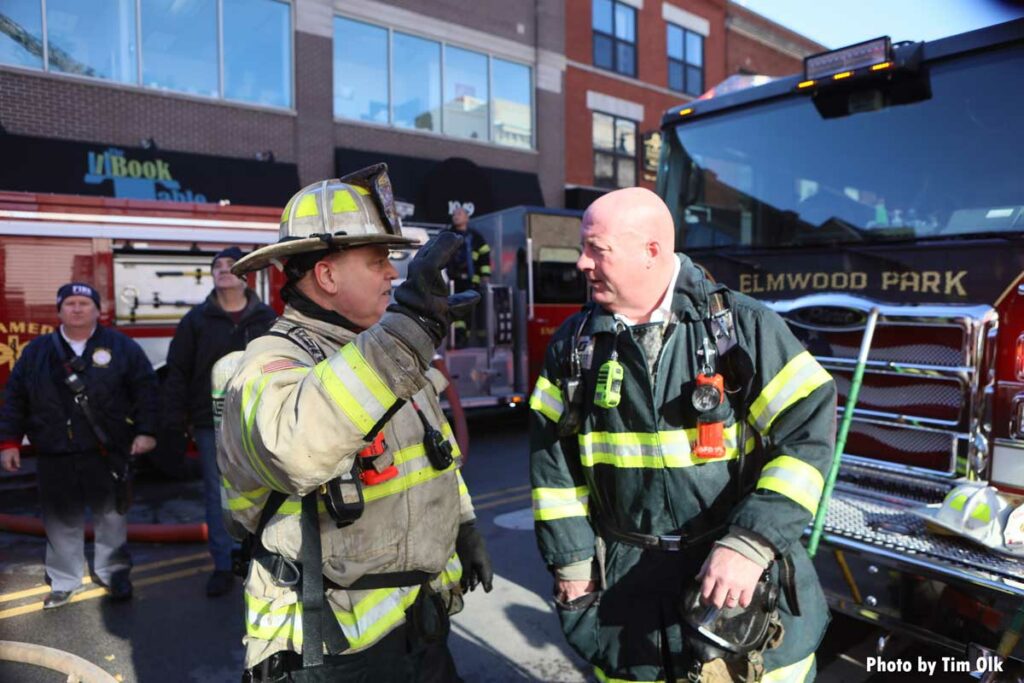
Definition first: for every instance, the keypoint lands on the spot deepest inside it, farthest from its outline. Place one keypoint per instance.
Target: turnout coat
(633, 469)
(291, 424)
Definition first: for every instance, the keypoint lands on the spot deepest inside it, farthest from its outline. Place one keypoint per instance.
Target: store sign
(97, 169)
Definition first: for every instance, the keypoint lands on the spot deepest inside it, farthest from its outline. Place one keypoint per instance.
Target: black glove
(476, 561)
(424, 296)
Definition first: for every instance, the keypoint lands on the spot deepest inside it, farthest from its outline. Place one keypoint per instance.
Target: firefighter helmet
(971, 510)
(354, 211)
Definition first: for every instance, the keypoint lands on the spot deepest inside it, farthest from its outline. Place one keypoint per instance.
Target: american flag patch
(279, 365)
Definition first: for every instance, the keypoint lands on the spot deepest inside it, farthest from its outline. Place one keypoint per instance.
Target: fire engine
(887, 176)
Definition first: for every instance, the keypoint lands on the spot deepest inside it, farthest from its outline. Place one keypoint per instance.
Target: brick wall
(758, 45)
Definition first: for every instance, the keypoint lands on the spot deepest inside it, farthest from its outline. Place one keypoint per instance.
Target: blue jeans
(220, 541)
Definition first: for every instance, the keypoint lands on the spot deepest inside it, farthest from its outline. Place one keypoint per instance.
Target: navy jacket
(204, 336)
(119, 380)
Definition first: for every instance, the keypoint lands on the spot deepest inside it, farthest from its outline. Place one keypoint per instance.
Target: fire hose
(139, 533)
(78, 670)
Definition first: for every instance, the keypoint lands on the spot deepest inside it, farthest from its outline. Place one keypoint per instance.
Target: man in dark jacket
(230, 318)
(73, 470)
(651, 486)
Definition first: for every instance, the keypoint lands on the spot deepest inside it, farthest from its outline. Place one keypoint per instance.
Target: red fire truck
(887, 176)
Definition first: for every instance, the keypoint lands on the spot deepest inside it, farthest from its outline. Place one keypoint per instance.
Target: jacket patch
(279, 365)
(101, 357)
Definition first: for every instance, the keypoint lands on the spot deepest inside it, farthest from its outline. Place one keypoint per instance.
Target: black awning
(436, 187)
(97, 169)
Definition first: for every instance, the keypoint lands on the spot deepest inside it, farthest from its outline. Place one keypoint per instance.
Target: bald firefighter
(337, 457)
(673, 538)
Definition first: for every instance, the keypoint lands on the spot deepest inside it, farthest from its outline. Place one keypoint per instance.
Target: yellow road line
(99, 592)
(500, 492)
(502, 501)
(39, 590)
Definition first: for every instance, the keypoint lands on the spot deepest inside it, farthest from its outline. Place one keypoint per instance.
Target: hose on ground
(78, 670)
(137, 533)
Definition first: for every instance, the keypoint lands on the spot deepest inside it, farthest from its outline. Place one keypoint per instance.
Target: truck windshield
(779, 174)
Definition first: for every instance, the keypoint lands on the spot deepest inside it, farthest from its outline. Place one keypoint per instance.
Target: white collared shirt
(664, 310)
(77, 346)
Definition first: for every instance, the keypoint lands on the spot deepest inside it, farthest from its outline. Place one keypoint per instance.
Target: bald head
(628, 245)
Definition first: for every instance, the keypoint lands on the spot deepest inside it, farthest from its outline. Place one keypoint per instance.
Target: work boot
(59, 598)
(120, 586)
(219, 583)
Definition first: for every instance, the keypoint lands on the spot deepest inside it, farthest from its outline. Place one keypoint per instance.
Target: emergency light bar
(870, 53)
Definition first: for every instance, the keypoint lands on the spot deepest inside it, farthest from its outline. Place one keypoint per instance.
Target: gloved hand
(424, 296)
(476, 562)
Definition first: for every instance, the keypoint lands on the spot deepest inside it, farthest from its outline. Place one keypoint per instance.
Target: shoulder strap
(298, 335)
(74, 382)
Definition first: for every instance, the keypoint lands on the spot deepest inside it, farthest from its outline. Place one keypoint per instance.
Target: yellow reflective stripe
(463, 489)
(476, 255)
(547, 399)
(422, 473)
(360, 190)
(376, 614)
(251, 393)
(605, 678)
(801, 376)
(307, 206)
(794, 673)
(794, 479)
(475, 279)
(343, 202)
(485, 270)
(343, 398)
(652, 450)
(485, 249)
(452, 573)
(294, 507)
(269, 624)
(558, 503)
(368, 376)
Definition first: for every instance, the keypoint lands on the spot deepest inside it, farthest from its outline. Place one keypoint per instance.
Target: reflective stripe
(485, 249)
(463, 489)
(475, 279)
(485, 270)
(233, 499)
(801, 376)
(251, 393)
(551, 503)
(452, 572)
(355, 387)
(370, 619)
(417, 469)
(652, 450)
(794, 673)
(794, 479)
(547, 399)
(307, 206)
(605, 678)
(343, 202)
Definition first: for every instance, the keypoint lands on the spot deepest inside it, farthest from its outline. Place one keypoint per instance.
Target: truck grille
(923, 390)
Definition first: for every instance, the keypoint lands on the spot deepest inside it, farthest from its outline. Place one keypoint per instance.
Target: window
(465, 93)
(92, 38)
(417, 89)
(388, 77)
(360, 71)
(22, 44)
(614, 151)
(179, 41)
(511, 106)
(685, 60)
(232, 49)
(258, 52)
(614, 25)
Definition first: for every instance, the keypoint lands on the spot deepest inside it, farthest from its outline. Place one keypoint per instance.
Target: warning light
(859, 56)
(840, 76)
(804, 84)
(882, 66)
(686, 112)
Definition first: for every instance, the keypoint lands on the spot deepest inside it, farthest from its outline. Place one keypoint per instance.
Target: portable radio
(608, 392)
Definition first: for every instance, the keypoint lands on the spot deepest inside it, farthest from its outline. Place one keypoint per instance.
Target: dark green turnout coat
(634, 466)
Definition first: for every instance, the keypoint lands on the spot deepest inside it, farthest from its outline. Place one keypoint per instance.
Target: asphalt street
(171, 632)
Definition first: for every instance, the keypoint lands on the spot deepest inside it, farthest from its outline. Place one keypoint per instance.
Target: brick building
(450, 92)
(627, 61)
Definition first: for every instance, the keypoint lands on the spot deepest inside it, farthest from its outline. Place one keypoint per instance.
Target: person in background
(470, 269)
(73, 466)
(230, 317)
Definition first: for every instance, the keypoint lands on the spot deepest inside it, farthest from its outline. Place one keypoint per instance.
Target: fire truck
(886, 176)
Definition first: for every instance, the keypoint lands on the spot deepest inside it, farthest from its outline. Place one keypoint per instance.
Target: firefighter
(337, 456)
(469, 269)
(230, 317)
(86, 397)
(647, 485)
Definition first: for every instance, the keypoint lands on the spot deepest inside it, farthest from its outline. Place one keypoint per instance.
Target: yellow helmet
(354, 211)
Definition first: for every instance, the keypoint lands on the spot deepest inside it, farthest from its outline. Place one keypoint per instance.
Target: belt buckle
(672, 544)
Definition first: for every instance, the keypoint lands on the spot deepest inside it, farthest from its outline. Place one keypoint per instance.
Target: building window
(614, 151)
(685, 60)
(614, 25)
(232, 49)
(389, 77)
